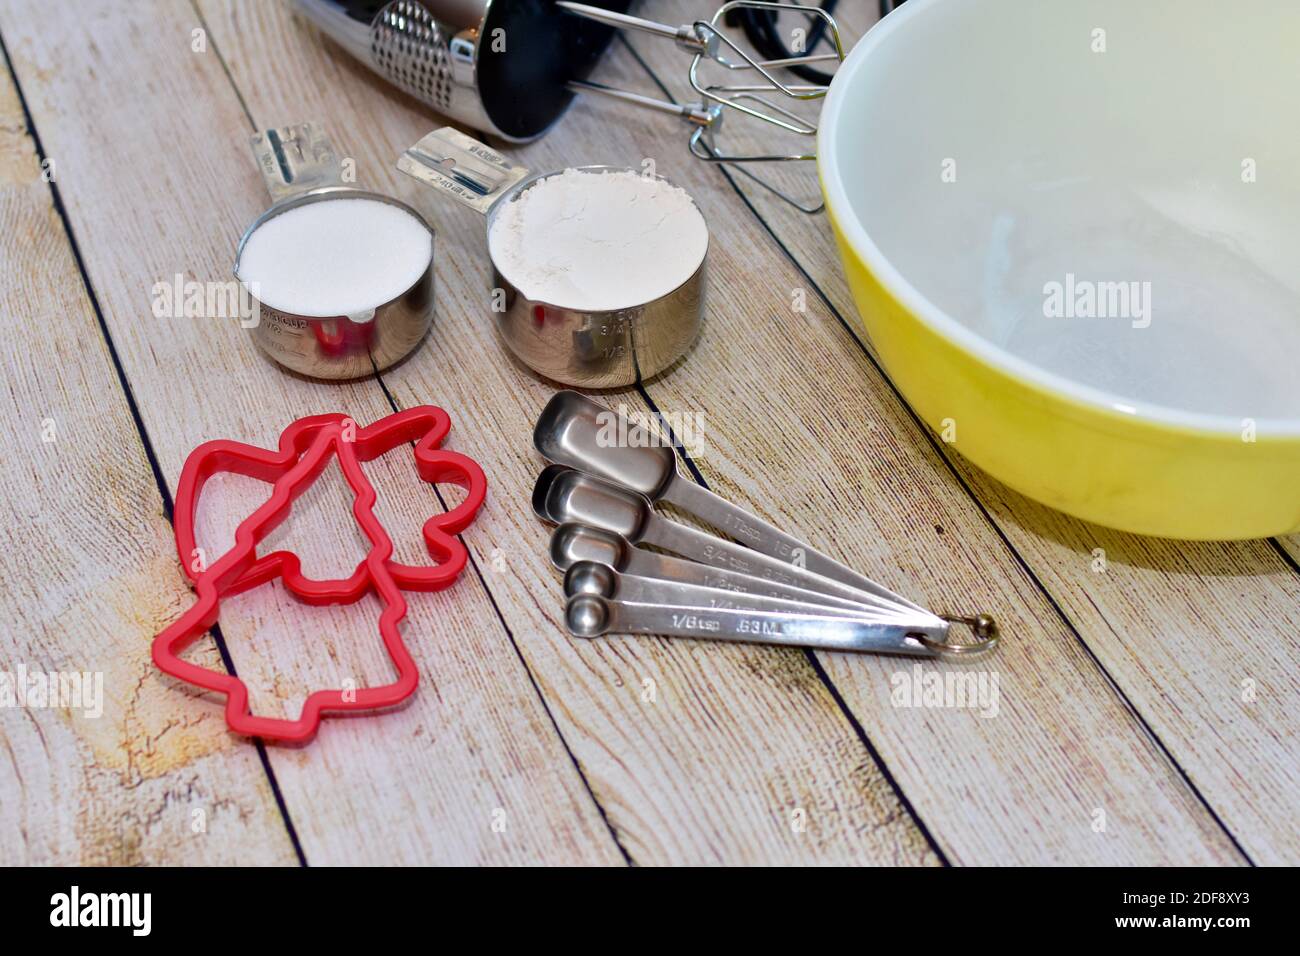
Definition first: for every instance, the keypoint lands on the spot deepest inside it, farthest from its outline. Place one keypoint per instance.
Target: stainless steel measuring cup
(589, 349)
(300, 167)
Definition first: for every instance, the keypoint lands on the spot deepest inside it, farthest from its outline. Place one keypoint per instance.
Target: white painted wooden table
(1146, 712)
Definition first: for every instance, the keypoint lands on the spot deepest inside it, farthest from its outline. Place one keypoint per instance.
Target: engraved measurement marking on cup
(482, 152)
(455, 188)
(283, 325)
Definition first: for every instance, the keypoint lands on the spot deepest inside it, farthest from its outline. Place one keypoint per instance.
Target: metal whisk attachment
(712, 48)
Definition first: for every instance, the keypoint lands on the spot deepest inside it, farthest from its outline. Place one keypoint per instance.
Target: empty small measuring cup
(592, 288)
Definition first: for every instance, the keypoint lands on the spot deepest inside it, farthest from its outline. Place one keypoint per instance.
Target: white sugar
(596, 241)
(335, 257)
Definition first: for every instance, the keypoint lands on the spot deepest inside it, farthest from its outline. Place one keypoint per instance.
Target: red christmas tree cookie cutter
(304, 451)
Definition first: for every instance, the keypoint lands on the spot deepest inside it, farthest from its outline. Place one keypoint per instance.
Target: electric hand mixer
(511, 67)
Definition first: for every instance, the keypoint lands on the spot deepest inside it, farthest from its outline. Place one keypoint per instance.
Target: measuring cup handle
(461, 168)
(752, 531)
(294, 159)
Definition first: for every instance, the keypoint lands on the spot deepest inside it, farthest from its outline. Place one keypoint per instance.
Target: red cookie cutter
(304, 452)
(425, 424)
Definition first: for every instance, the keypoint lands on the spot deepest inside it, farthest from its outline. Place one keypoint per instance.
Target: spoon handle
(634, 589)
(707, 549)
(766, 627)
(768, 539)
(665, 567)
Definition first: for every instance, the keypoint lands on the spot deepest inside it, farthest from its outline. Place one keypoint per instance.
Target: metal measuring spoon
(562, 494)
(572, 542)
(589, 615)
(569, 432)
(592, 577)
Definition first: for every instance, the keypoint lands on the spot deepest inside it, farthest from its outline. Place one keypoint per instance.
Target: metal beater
(511, 69)
(711, 45)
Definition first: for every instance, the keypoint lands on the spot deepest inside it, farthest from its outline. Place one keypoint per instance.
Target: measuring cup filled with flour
(599, 271)
(343, 278)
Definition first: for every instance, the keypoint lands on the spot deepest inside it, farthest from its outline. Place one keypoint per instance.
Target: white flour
(335, 257)
(596, 241)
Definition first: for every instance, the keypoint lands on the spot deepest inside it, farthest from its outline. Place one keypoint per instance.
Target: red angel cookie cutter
(304, 452)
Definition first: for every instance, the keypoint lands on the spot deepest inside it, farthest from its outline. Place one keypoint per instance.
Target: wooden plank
(805, 430)
(121, 775)
(156, 175)
(1191, 632)
(735, 739)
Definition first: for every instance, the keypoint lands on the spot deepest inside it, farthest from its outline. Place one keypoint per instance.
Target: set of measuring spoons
(772, 589)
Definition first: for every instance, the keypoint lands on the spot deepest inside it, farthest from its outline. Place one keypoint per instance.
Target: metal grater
(413, 50)
(472, 60)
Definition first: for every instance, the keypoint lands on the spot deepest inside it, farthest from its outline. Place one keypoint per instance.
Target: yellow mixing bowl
(1073, 233)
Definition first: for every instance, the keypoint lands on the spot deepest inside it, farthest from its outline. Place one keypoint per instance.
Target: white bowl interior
(1006, 166)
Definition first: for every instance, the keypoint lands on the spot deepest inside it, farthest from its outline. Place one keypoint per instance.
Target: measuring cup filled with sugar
(343, 278)
(599, 271)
